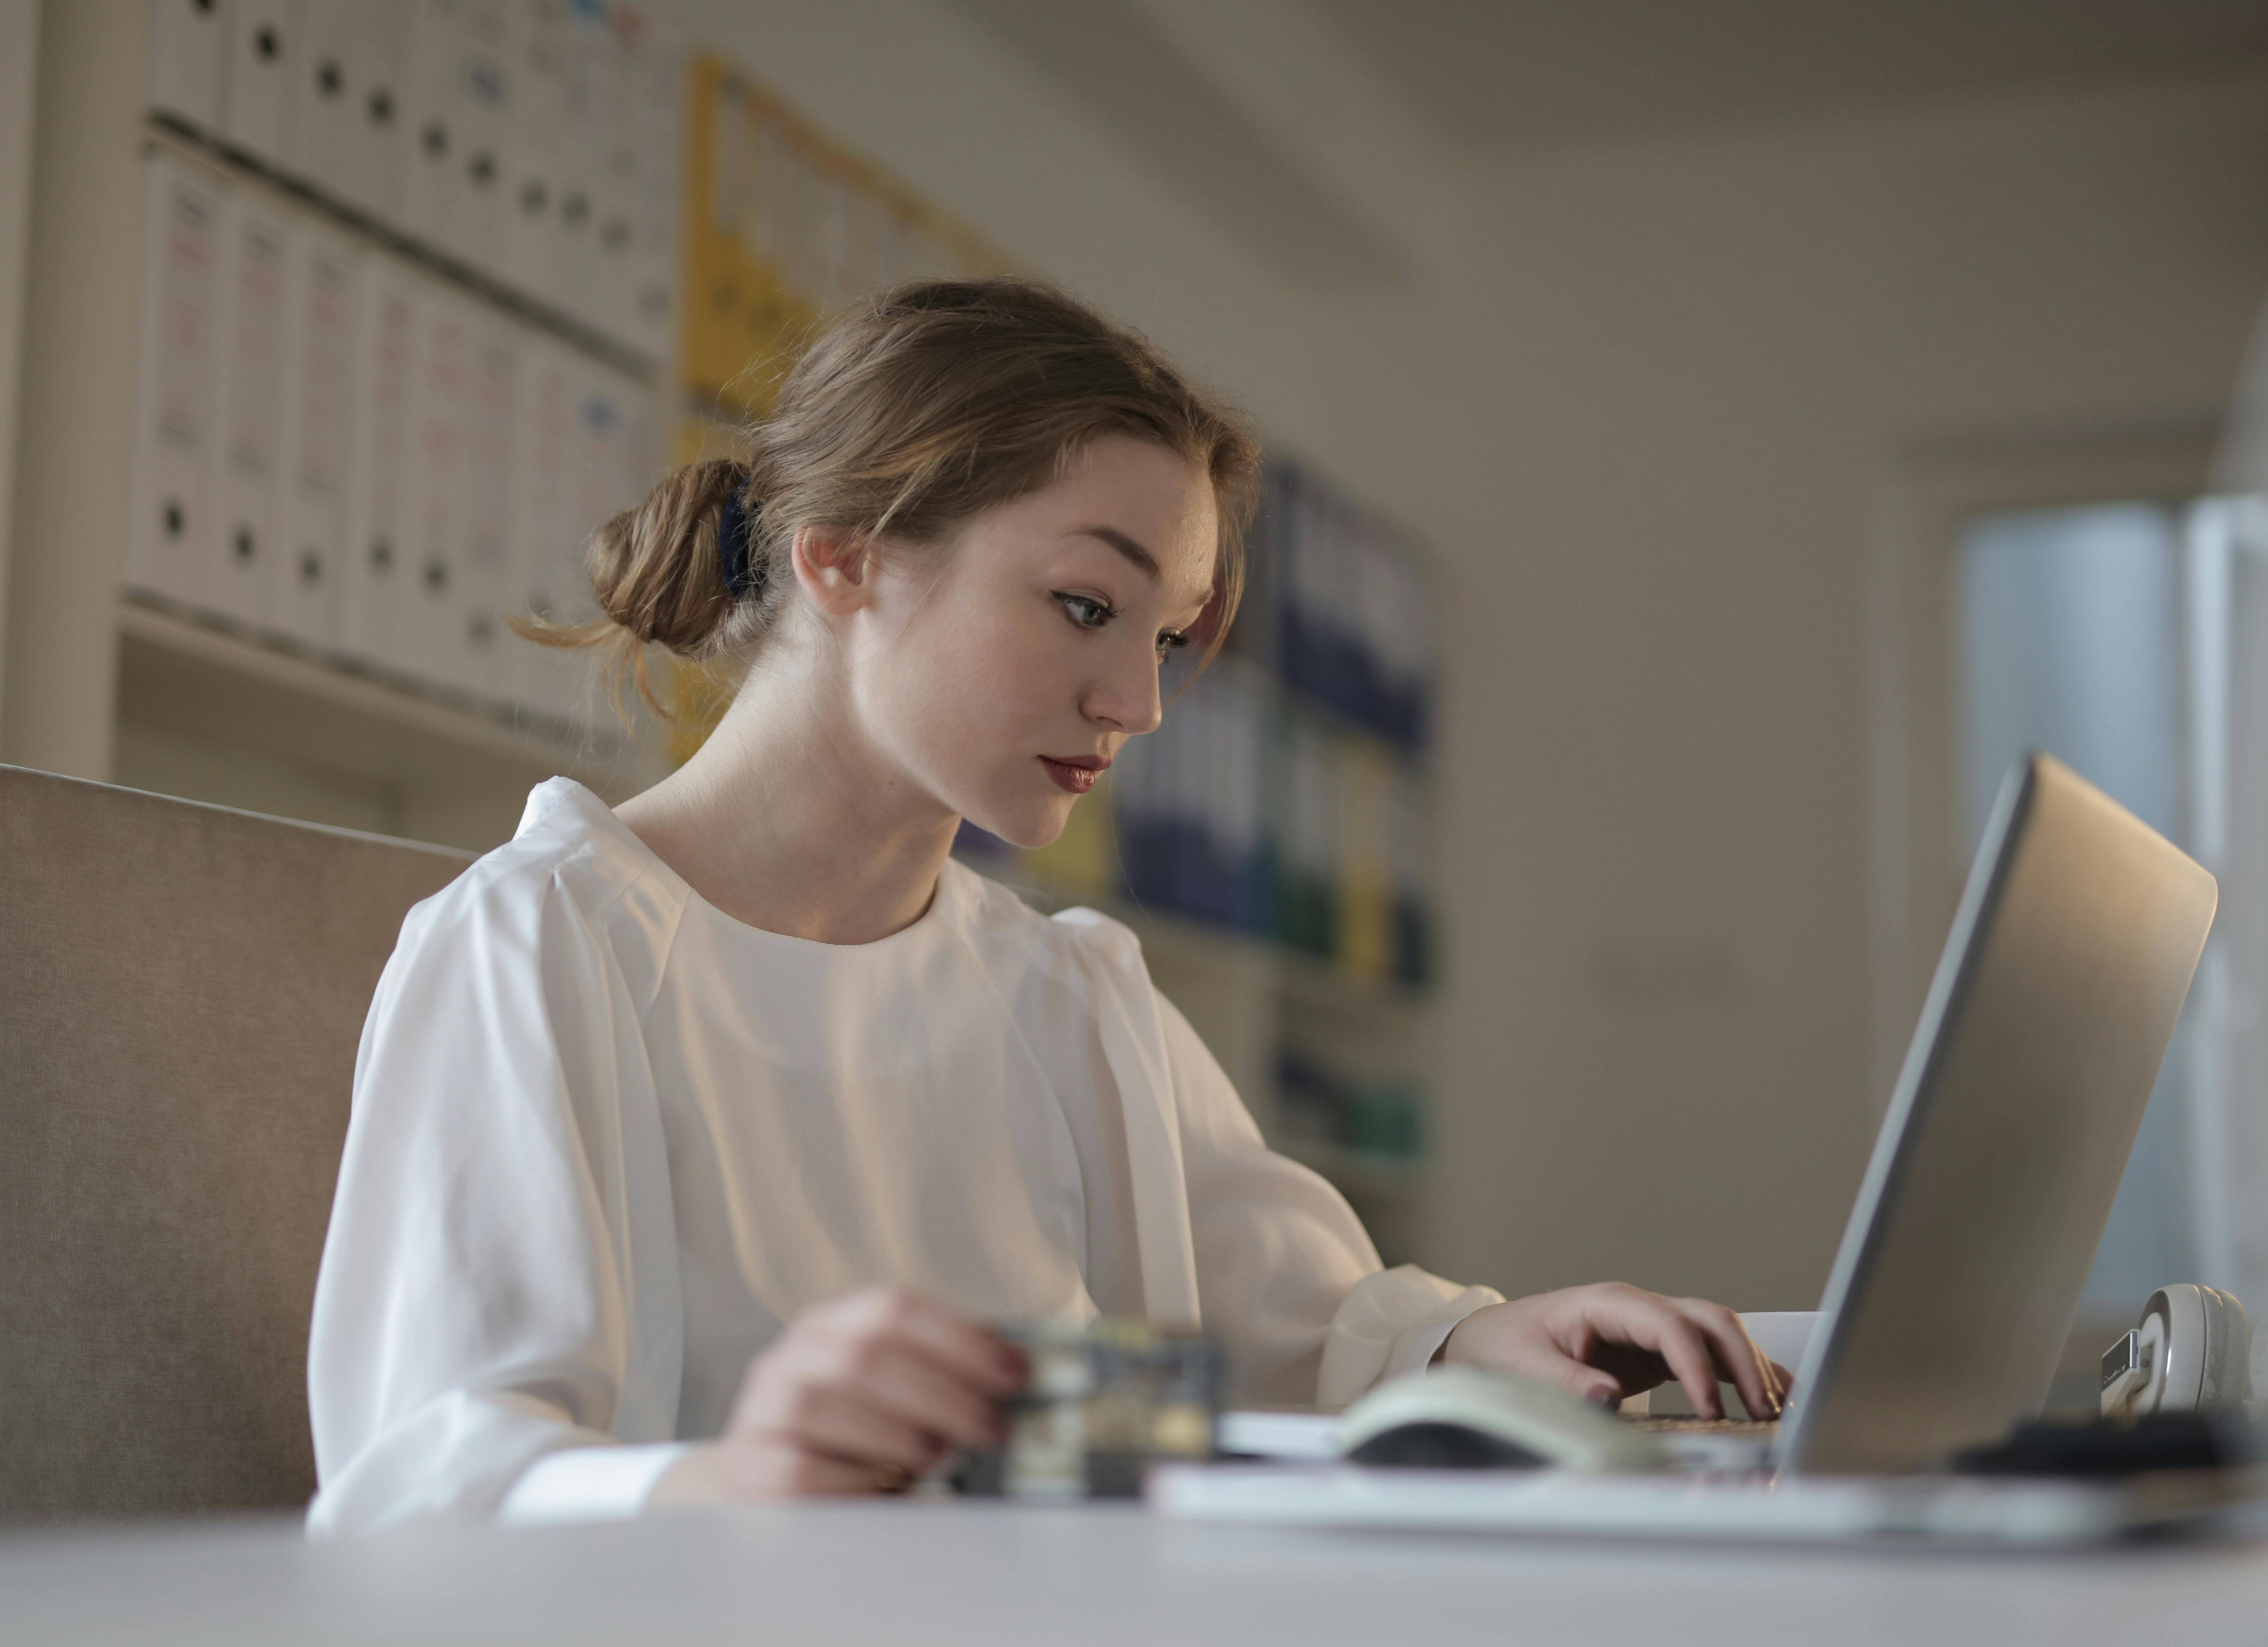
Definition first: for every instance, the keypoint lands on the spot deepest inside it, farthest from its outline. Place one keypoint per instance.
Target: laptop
(1960, 1268)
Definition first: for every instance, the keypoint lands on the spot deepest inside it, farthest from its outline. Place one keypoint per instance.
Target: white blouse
(608, 1140)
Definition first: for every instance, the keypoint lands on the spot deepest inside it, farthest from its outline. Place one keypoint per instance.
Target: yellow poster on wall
(784, 226)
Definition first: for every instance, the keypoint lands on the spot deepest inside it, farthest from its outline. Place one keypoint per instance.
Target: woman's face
(1006, 667)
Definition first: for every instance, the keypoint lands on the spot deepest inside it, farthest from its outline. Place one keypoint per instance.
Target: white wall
(19, 54)
(1712, 364)
(1651, 406)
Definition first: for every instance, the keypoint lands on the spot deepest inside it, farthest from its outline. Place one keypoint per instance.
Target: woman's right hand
(861, 1395)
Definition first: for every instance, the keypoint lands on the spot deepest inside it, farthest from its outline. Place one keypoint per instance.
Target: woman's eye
(1171, 641)
(1086, 611)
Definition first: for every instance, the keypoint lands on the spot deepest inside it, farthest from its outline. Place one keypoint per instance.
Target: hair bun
(649, 567)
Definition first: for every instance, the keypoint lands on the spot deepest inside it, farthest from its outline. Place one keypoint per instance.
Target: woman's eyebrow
(1123, 543)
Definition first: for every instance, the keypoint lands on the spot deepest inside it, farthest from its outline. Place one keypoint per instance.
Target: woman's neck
(788, 818)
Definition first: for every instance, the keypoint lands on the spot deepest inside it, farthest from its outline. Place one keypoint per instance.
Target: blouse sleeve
(499, 1284)
(1286, 1275)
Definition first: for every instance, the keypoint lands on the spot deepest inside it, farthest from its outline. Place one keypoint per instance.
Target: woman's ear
(833, 567)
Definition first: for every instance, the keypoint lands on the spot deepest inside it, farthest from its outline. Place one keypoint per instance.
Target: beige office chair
(181, 991)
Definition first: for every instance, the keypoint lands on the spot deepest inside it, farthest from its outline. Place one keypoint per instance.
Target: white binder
(485, 568)
(318, 434)
(593, 441)
(482, 86)
(439, 393)
(657, 110)
(608, 304)
(592, 495)
(581, 157)
(376, 45)
(535, 132)
(541, 678)
(372, 617)
(240, 582)
(620, 461)
(428, 146)
(326, 114)
(176, 394)
(188, 46)
(644, 456)
(262, 61)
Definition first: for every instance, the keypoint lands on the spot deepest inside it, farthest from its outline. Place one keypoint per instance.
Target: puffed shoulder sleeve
(499, 1285)
(1286, 1274)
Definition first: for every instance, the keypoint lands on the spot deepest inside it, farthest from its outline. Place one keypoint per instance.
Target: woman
(691, 1140)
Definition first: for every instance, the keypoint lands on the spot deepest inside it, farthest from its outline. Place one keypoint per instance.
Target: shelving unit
(399, 726)
(451, 772)
(217, 710)
(130, 689)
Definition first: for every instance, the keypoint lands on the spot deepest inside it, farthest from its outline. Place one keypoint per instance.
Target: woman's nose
(1127, 697)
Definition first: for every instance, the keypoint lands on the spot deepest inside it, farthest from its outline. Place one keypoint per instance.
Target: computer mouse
(1461, 1418)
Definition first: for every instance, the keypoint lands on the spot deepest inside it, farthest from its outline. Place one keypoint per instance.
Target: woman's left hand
(1608, 1341)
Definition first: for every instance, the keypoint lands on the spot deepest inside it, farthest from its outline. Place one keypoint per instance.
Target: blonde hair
(926, 405)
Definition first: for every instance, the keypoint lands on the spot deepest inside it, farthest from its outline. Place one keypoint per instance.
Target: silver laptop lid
(1976, 1223)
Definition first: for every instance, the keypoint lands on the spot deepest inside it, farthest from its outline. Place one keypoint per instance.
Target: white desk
(989, 1574)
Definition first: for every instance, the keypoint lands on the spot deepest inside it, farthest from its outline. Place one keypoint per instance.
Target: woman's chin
(1028, 827)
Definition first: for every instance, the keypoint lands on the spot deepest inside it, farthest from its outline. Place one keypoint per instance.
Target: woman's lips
(1077, 778)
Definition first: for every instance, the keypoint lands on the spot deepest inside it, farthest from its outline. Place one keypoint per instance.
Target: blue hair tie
(735, 529)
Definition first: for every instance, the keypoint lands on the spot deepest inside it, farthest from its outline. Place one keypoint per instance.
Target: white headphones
(2193, 1352)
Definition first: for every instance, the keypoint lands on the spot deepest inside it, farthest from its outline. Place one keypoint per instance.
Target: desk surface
(998, 1576)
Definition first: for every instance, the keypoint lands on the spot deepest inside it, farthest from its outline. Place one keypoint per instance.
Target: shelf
(1186, 935)
(183, 674)
(1306, 980)
(1315, 983)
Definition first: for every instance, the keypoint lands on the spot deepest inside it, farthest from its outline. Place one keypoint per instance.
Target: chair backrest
(181, 991)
